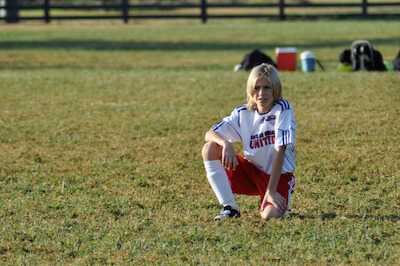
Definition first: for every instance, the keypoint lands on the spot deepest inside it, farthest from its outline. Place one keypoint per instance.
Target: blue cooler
(307, 61)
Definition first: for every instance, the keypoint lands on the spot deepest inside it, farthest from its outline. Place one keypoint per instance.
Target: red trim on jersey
(248, 179)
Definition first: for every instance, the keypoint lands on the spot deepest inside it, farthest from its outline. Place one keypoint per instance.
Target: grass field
(101, 127)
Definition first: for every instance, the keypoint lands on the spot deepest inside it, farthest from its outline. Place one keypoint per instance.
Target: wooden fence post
(204, 11)
(12, 11)
(125, 15)
(47, 11)
(364, 7)
(282, 9)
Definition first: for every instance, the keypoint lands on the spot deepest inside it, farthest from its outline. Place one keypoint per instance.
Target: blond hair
(271, 73)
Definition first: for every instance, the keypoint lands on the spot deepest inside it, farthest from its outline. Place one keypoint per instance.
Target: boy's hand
(275, 199)
(229, 160)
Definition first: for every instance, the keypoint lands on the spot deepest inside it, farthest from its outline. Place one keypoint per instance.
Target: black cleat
(227, 212)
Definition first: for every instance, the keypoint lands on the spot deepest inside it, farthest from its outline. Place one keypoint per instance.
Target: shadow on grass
(106, 67)
(391, 217)
(299, 216)
(109, 45)
(331, 216)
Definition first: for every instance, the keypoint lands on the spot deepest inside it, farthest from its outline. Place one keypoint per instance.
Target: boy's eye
(265, 88)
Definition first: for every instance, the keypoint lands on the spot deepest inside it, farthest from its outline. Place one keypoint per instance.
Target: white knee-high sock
(219, 182)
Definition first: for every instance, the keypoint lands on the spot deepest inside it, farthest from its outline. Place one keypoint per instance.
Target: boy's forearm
(211, 135)
(276, 168)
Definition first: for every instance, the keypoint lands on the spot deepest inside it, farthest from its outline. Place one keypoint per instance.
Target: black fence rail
(11, 10)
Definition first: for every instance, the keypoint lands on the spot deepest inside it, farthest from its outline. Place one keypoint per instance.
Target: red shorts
(248, 179)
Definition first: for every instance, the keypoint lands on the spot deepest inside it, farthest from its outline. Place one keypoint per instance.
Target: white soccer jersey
(261, 133)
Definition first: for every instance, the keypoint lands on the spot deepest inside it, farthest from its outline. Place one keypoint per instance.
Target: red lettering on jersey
(265, 139)
(256, 144)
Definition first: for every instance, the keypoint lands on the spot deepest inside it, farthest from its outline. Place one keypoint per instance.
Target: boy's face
(263, 95)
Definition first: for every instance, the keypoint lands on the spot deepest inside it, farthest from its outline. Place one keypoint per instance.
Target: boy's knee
(270, 212)
(211, 151)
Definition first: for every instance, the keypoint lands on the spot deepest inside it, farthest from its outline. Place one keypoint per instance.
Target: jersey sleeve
(285, 126)
(229, 127)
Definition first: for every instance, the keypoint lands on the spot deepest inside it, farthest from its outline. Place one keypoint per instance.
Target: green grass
(101, 128)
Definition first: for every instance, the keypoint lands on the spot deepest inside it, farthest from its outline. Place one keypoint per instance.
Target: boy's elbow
(280, 148)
